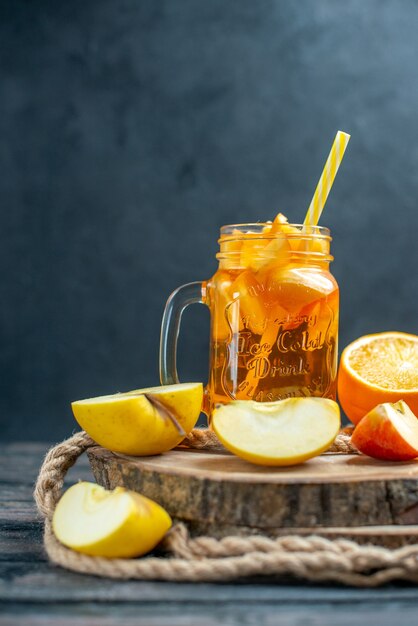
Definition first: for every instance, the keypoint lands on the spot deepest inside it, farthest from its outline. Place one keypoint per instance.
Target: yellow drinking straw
(327, 178)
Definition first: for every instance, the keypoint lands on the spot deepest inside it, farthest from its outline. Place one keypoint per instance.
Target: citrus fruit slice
(260, 249)
(118, 523)
(281, 225)
(252, 300)
(220, 300)
(388, 432)
(295, 287)
(141, 422)
(285, 432)
(378, 368)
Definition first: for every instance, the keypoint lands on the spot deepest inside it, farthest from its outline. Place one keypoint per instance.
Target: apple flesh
(285, 432)
(118, 523)
(388, 432)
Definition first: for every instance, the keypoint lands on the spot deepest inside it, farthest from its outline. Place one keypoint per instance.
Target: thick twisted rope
(205, 439)
(200, 559)
(57, 462)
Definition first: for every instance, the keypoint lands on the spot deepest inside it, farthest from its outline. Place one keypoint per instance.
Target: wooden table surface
(33, 592)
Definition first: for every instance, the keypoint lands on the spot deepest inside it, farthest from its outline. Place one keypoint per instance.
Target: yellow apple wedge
(118, 523)
(141, 422)
(285, 432)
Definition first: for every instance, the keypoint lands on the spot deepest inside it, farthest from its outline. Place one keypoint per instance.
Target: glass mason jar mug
(274, 316)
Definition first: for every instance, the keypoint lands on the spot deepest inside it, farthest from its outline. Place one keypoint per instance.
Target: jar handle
(170, 326)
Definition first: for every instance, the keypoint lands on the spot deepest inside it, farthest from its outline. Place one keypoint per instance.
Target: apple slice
(388, 432)
(118, 523)
(285, 432)
(141, 422)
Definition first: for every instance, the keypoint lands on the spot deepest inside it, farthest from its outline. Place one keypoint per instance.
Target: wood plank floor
(34, 592)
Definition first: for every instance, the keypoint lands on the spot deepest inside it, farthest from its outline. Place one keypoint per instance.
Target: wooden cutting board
(220, 494)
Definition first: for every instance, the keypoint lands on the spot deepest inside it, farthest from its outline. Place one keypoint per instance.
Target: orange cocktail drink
(274, 314)
(274, 308)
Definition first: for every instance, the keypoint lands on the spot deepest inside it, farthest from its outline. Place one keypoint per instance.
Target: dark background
(132, 130)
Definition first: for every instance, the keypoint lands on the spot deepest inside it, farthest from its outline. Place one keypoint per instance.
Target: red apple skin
(376, 436)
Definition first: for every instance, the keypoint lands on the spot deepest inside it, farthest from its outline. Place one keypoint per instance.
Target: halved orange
(378, 368)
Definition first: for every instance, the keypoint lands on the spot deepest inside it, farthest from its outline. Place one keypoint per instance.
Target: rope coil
(205, 559)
